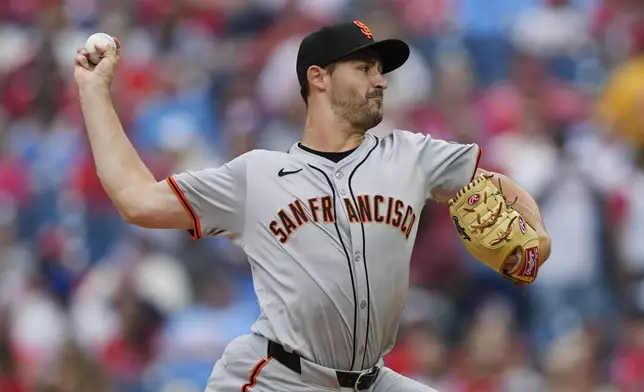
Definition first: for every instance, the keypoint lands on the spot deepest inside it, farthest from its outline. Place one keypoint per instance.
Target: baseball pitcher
(330, 224)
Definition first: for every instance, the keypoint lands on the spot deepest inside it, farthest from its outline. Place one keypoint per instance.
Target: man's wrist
(94, 90)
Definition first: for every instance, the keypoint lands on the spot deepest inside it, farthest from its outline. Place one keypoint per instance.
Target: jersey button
(361, 351)
(363, 304)
(338, 175)
(343, 192)
(357, 257)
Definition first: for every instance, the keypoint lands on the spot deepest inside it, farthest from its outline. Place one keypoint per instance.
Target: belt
(358, 381)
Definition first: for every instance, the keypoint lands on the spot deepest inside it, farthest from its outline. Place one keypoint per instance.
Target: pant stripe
(252, 377)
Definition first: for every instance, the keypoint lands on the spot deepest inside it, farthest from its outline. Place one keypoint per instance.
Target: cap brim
(393, 53)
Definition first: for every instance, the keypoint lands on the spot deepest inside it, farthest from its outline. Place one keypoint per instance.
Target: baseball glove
(493, 231)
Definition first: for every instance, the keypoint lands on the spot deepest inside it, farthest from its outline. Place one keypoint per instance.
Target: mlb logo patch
(530, 262)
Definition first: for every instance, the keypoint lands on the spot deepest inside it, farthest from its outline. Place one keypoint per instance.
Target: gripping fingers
(82, 61)
(119, 49)
(81, 58)
(101, 49)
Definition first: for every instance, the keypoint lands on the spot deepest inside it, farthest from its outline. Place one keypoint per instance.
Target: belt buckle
(363, 374)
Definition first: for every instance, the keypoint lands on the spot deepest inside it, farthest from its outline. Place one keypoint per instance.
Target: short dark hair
(363, 55)
(304, 90)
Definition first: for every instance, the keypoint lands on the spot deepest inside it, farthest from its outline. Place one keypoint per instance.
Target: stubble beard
(356, 110)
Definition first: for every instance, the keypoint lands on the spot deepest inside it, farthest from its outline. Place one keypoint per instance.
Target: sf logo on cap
(363, 27)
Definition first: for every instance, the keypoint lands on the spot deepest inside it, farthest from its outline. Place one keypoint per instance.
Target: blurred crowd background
(553, 91)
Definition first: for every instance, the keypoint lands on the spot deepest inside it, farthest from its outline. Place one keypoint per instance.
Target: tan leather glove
(495, 233)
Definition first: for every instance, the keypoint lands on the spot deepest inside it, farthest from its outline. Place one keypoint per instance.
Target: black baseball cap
(332, 43)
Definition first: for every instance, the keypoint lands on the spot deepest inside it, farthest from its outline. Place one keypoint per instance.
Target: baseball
(98, 39)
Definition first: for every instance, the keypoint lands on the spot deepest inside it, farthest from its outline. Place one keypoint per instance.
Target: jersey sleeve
(445, 166)
(215, 198)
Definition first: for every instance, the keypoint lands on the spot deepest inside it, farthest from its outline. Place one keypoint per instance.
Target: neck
(328, 133)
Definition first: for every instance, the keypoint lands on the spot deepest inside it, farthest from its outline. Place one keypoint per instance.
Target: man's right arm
(154, 206)
(139, 198)
(206, 202)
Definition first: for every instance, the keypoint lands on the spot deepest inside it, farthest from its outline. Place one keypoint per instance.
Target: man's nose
(379, 81)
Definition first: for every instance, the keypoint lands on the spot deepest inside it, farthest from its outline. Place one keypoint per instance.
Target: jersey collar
(364, 147)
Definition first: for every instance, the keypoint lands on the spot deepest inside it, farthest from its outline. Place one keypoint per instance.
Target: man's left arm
(449, 167)
(525, 205)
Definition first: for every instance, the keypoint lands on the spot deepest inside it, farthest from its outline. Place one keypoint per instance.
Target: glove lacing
(491, 221)
(503, 234)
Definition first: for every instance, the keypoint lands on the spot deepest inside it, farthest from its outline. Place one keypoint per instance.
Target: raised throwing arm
(139, 198)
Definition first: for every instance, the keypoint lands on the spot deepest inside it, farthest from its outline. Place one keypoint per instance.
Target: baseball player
(329, 225)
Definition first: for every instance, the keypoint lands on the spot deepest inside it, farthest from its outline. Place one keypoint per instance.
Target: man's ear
(315, 76)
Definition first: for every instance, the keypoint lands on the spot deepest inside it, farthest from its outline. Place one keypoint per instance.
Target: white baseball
(98, 39)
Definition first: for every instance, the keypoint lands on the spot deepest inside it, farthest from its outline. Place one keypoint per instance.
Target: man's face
(356, 90)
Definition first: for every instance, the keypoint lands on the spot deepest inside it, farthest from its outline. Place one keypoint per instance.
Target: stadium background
(553, 90)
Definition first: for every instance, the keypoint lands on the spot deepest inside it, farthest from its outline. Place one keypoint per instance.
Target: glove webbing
(491, 221)
(503, 235)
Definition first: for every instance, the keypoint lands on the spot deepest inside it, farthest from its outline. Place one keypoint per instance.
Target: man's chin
(373, 122)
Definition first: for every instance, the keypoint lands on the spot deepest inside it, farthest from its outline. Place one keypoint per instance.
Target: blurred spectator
(10, 380)
(78, 372)
(556, 29)
(16, 261)
(194, 338)
(619, 106)
(485, 27)
(426, 323)
(570, 365)
(627, 366)
(614, 26)
(491, 355)
(133, 310)
(125, 357)
(37, 348)
(630, 248)
(180, 114)
(531, 91)
(571, 288)
(13, 182)
(242, 115)
(426, 355)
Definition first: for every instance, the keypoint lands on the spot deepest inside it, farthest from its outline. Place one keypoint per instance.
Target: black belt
(358, 381)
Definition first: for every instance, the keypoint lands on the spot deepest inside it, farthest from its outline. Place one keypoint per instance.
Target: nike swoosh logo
(283, 173)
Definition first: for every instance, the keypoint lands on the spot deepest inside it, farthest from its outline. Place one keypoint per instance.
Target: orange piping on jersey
(478, 159)
(195, 233)
(252, 377)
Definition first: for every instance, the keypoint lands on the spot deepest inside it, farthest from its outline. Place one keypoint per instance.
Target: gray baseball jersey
(329, 243)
